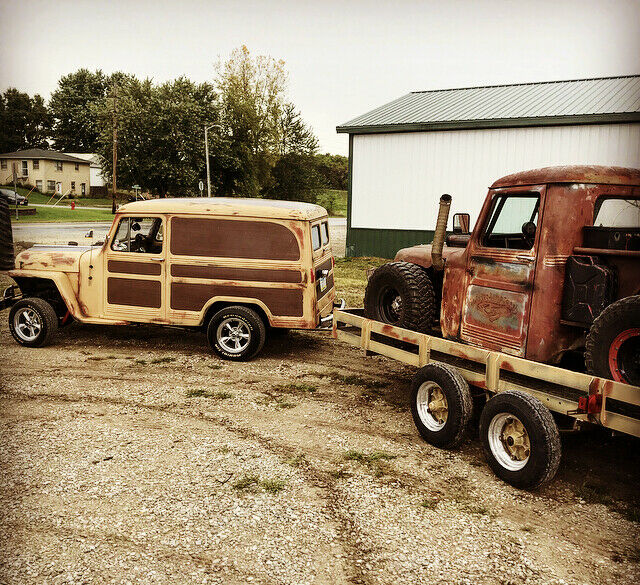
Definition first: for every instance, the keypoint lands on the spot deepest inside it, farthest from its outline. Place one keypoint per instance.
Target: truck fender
(62, 283)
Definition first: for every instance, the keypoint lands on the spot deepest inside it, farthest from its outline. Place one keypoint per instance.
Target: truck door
(135, 270)
(501, 270)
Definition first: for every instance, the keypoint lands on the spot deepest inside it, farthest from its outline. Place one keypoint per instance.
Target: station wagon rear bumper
(325, 322)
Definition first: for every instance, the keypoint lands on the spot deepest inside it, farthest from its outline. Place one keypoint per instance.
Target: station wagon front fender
(63, 282)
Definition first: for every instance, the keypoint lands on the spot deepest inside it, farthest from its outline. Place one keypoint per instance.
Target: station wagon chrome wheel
(233, 335)
(27, 324)
(432, 406)
(509, 441)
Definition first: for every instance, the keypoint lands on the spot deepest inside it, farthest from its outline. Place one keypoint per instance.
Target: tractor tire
(613, 344)
(401, 294)
(6, 237)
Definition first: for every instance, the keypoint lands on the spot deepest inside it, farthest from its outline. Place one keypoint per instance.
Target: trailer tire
(32, 322)
(520, 439)
(441, 405)
(612, 348)
(236, 333)
(401, 294)
(6, 237)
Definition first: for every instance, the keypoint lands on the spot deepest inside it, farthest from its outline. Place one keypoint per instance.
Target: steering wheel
(139, 241)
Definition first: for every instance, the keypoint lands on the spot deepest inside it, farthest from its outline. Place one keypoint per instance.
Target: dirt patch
(134, 454)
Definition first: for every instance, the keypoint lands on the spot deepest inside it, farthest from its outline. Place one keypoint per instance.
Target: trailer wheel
(520, 439)
(441, 405)
(613, 344)
(401, 294)
(236, 333)
(32, 322)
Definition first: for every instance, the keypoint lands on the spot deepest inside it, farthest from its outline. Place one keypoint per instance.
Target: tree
(334, 169)
(75, 126)
(24, 121)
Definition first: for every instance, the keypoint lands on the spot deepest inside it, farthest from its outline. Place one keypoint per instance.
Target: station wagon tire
(32, 322)
(441, 405)
(613, 343)
(6, 237)
(401, 294)
(520, 439)
(236, 333)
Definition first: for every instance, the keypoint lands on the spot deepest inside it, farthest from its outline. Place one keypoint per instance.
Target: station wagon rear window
(315, 237)
(325, 233)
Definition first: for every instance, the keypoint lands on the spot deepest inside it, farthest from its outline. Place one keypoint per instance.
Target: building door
(135, 270)
(501, 269)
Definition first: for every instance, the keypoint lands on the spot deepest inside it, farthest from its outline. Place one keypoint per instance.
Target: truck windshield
(616, 212)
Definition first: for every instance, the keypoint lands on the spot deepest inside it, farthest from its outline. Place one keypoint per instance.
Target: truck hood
(55, 258)
(421, 255)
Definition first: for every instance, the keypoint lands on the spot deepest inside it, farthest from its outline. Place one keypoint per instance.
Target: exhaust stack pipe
(439, 235)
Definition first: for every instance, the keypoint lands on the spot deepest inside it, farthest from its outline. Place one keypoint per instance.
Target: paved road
(57, 233)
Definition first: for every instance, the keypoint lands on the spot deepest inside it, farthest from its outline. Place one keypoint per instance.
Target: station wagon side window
(143, 235)
(512, 221)
(315, 237)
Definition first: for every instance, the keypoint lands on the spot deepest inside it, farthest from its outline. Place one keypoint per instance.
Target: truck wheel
(6, 237)
(401, 294)
(520, 439)
(613, 344)
(236, 333)
(441, 405)
(32, 322)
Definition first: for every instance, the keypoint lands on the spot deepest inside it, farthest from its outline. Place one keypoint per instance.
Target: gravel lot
(134, 455)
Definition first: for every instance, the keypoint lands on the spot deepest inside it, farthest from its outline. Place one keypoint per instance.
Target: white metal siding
(398, 178)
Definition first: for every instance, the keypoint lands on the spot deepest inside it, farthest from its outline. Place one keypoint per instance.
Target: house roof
(41, 153)
(92, 158)
(229, 206)
(590, 174)
(579, 101)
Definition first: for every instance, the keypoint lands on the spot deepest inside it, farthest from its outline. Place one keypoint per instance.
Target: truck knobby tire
(613, 344)
(520, 439)
(32, 322)
(236, 333)
(401, 294)
(441, 405)
(6, 237)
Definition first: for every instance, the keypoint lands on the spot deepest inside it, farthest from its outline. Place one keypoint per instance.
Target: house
(48, 171)
(405, 154)
(97, 182)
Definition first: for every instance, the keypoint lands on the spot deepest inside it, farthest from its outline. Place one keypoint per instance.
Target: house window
(73, 185)
(36, 165)
(25, 168)
(83, 188)
(77, 166)
(39, 186)
(3, 164)
(51, 185)
(58, 165)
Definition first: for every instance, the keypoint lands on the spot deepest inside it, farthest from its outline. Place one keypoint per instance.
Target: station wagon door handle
(158, 259)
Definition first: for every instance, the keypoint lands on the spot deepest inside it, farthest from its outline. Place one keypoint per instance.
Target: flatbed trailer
(577, 397)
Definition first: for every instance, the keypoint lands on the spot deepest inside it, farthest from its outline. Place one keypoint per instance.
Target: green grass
(334, 201)
(202, 393)
(62, 214)
(351, 278)
(296, 387)
(272, 486)
(376, 461)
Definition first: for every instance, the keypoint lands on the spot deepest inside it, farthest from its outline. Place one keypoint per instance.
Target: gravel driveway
(132, 455)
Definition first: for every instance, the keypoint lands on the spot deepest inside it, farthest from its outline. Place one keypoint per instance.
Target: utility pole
(115, 147)
(206, 153)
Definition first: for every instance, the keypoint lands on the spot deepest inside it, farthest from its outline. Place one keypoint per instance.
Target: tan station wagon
(235, 267)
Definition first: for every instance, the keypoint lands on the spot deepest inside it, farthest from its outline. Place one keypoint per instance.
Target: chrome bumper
(337, 304)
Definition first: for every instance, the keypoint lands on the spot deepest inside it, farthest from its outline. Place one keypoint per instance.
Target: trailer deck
(610, 404)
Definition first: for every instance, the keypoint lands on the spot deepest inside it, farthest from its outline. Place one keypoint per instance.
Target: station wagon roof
(591, 174)
(229, 206)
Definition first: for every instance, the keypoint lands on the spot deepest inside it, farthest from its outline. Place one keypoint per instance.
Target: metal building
(405, 154)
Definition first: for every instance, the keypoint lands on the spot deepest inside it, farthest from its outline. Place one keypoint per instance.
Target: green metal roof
(580, 101)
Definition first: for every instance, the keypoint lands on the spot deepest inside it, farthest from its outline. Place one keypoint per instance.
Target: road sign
(201, 187)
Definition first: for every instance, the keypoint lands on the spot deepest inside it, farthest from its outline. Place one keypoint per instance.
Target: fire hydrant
(73, 205)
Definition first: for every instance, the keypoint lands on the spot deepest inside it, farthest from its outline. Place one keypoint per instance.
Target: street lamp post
(206, 153)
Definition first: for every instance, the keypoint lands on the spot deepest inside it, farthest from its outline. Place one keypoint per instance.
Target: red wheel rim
(615, 367)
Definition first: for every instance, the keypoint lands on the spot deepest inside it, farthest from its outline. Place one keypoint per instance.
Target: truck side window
(512, 221)
(315, 237)
(138, 234)
(617, 212)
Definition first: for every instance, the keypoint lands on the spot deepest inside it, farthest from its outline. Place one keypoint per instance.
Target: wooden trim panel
(233, 273)
(131, 267)
(193, 297)
(134, 292)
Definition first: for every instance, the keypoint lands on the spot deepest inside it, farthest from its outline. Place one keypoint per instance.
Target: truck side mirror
(461, 222)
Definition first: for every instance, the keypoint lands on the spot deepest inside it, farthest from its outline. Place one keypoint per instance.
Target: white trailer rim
(432, 406)
(509, 441)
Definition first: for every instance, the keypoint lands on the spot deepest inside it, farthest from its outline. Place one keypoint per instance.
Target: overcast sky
(344, 58)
